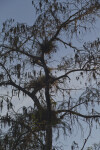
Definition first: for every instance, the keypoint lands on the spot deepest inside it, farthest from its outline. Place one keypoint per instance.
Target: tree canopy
(42, 62)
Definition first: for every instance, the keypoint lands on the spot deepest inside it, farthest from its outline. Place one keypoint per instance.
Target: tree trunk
(48, 145)
(49, 126)
(48, 140)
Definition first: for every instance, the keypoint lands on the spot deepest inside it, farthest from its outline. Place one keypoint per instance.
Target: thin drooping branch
(34, 98)
(29, 130)
(11, 49)
(76, 113)
(75, 17)
(69, 44)
(17, 141)
(5, 70)
(74, 70)
(80, 103)
(52, 80)
(86, 139)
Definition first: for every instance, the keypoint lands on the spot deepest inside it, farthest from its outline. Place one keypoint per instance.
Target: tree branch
(17, 50)
(34, 98)
(74, 70)
(5, 70)
(77, 16)
(86, 139)
(76, 113)
(69, 44)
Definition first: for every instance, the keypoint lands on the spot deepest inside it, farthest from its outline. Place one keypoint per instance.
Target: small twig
(86, 139)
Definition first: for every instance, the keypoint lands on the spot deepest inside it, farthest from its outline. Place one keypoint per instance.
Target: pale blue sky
(20, 10)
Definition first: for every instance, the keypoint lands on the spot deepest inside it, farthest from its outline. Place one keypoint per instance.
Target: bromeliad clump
(40, 118)
(47, 46)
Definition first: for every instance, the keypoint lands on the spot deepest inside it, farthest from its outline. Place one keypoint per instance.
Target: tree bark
(48, 140)
(48, 145)
(49, 126)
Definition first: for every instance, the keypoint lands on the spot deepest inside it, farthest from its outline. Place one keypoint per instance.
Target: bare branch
(74, 70)
(86, 139)
(77, 114)
(11, 49)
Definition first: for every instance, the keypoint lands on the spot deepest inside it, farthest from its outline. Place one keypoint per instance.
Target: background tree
(35, 62)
